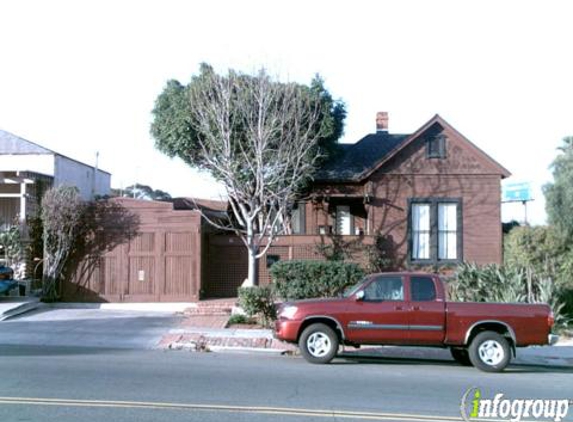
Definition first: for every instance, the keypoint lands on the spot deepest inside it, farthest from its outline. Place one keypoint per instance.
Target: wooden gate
(161, 263)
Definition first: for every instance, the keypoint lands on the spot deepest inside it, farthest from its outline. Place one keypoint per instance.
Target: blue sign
(513, 192)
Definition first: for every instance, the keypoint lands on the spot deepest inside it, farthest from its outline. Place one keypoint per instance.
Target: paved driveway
(88, 328)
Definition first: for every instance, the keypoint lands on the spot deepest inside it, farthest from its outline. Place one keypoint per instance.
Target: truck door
(380, 316)
(427, 314)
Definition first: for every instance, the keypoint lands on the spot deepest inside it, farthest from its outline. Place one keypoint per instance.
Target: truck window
(423, 289)
(384, 288)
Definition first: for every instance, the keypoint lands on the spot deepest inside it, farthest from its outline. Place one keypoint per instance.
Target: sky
(81, 77)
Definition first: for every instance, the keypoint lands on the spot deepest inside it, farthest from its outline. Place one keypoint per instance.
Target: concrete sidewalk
(13, 306)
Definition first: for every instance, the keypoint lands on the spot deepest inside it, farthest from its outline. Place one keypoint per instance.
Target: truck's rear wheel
(461, 355)
(318, 343)
(490, 352)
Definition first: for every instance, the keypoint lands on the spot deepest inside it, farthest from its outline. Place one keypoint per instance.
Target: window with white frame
(298, 218)
(421, 232)
(435, 230)
(447, 231)
(343, 220)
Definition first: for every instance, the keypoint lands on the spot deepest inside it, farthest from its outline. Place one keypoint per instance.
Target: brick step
(223, 306)
(215, 307)
(217, 303)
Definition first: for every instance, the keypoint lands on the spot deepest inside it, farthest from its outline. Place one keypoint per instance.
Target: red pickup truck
(410, 309)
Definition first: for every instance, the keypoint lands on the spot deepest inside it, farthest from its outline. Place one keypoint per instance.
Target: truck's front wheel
(490, 352)
(318, 343)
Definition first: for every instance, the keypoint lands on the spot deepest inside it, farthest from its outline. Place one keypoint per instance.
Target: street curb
(225, 349)
(169, 307)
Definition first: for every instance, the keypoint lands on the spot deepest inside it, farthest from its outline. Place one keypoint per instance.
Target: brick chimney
(382, 121)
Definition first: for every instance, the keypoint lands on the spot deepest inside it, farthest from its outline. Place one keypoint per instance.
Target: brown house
(432, 196)
(433, 193)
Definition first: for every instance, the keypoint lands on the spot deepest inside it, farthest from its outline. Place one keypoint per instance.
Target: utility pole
(94, 179)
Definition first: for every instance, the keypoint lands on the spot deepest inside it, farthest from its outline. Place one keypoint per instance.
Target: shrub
(543, 254)
(258, 301)
(335, 247)
(11, 249)
(492, 283)
(381, 256)
(539, 248)
(295, 280)
(238, 319)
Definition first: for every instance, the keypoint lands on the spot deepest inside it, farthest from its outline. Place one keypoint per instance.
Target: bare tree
(62, 210)
(259, 138)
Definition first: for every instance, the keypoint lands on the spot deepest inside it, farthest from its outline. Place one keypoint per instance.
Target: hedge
(294, 280)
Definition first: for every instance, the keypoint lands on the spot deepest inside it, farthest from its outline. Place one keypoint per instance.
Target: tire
(461, 356)
(490, 352)
(318, 343)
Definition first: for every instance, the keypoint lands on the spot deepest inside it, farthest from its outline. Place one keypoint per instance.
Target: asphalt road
(64, 384)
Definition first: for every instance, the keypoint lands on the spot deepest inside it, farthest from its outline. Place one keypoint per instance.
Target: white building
(28, 169)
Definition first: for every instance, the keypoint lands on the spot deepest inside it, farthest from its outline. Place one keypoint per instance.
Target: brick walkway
(203, 328)
(204, 321)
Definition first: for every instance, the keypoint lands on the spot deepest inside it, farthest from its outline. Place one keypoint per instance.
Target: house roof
(356, 162)
(212, 209)
(12, 144)
(199, 203)
(355, 159)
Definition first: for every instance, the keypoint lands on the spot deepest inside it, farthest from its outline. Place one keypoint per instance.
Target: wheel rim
(318, 345)
(491, 352)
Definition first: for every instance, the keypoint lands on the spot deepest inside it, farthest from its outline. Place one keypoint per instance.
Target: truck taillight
(550, 319)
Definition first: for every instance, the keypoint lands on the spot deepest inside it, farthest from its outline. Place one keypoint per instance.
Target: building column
(22, 202)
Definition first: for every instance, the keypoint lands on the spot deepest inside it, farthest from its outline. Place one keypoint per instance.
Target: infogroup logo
(474, 407)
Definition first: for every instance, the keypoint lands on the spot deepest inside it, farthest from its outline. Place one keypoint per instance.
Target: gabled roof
(355, 159)
(358, 161)
(12, 144)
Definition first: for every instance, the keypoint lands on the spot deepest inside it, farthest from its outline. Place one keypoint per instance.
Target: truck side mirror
(359, 295)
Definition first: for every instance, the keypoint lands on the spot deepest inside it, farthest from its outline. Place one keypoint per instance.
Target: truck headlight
(288, 312)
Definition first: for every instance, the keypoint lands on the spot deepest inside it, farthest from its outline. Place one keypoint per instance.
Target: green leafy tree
(260, 138)
(537, 247)
(177, 134)
(139, 191)
(559, 194)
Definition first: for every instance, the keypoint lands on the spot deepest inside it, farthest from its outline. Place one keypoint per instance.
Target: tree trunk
(252, 250)
(253, 276)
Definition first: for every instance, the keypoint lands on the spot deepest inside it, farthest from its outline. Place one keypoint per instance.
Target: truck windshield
(354, 288)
